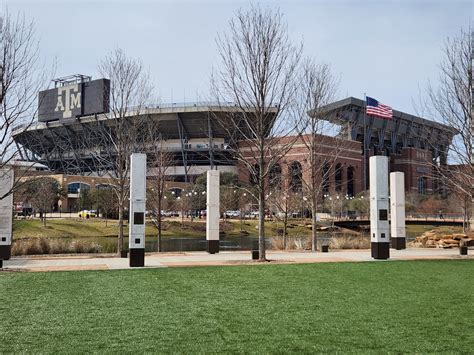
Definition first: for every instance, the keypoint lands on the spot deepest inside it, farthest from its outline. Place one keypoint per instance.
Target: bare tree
(319, 88)
(106, 200)
(22, 76)
(42, 193)
(258, 73)
(123, 135)
(159, 162)
(451, 100)
(285, 201)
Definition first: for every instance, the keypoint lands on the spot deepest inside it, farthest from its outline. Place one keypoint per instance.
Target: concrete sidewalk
(155, 260)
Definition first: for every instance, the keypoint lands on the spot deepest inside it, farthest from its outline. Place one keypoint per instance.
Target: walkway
(155, 260)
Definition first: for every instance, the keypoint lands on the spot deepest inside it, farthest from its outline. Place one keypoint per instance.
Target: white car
(232, 214)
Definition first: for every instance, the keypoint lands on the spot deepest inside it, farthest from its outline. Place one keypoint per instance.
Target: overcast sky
(387, 49)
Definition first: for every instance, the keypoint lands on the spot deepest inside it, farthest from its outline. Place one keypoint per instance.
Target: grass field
(419, 306)
(80, 228)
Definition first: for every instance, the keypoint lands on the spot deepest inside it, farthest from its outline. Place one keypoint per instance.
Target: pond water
(178, 244)
(182, 244)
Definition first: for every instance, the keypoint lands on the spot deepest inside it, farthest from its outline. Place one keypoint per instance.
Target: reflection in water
(177, 244)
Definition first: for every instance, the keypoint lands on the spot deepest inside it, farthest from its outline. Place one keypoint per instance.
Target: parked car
(87, 214)
(232, 214)
(254, 214)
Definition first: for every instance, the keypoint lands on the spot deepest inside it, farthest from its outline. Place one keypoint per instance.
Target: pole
(365, 144)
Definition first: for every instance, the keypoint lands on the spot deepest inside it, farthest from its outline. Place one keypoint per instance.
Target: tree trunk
(120, 235)
(261, 224)
(241, 220)
(106, 219)
(314, 234)
(285, 229)
(158, 243)
(471, 222)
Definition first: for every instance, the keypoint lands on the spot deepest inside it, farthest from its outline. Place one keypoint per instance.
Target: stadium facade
(67, 141)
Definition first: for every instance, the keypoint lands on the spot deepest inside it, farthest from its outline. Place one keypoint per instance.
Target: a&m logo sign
(69, 99)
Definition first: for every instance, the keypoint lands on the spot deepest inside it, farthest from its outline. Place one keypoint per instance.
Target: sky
(385, 49)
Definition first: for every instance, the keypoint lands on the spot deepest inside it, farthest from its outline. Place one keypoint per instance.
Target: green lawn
(95, 227)
(378, 307)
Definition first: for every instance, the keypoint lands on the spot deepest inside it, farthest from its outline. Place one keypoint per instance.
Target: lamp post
(305, 199)
(242, 201)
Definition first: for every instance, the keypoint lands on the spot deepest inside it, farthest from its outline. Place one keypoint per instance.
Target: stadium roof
(403, 130)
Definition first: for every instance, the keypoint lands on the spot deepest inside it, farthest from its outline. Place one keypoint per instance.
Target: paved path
(154, 260)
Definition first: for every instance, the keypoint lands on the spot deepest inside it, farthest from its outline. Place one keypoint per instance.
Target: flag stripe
(375, 108)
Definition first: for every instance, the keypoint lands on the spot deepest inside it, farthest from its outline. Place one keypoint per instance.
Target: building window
(76, 187)
(350, 181)
(325, 173)
(254, 174)
(296, 177)
(275, 177)
(422, 185)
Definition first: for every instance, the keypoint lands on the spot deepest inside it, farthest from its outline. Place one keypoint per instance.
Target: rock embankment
(440, 239)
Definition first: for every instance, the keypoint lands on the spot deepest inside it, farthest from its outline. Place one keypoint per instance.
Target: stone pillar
(213, 213)
(6, 214)
(136, 226)
(379, 226)
(397, 210)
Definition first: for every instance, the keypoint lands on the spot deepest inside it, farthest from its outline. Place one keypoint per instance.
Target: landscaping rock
(438, 239)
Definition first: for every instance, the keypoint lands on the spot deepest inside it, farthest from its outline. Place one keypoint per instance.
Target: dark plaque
(138, 218)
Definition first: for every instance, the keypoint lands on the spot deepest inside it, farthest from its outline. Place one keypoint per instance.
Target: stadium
(66, 139)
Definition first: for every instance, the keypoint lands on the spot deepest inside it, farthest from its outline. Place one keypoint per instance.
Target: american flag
(375, 108)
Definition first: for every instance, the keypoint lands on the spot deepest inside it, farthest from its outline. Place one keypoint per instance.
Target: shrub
(44, 245)
(38, 246)
(277, 243)
(350, 242)
(60, 246)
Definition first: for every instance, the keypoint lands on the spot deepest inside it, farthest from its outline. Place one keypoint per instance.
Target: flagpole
(364, 145)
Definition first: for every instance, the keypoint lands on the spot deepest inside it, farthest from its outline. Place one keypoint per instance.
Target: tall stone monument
(6, 214)
(397, 210)
(136, 227)
(379, 204)
(213, 213)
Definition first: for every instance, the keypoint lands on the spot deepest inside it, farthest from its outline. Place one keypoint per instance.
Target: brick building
(419, 173)
(339, 166)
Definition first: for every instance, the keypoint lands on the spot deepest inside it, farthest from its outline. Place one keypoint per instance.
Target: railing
(409, 217)
(187, 104)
